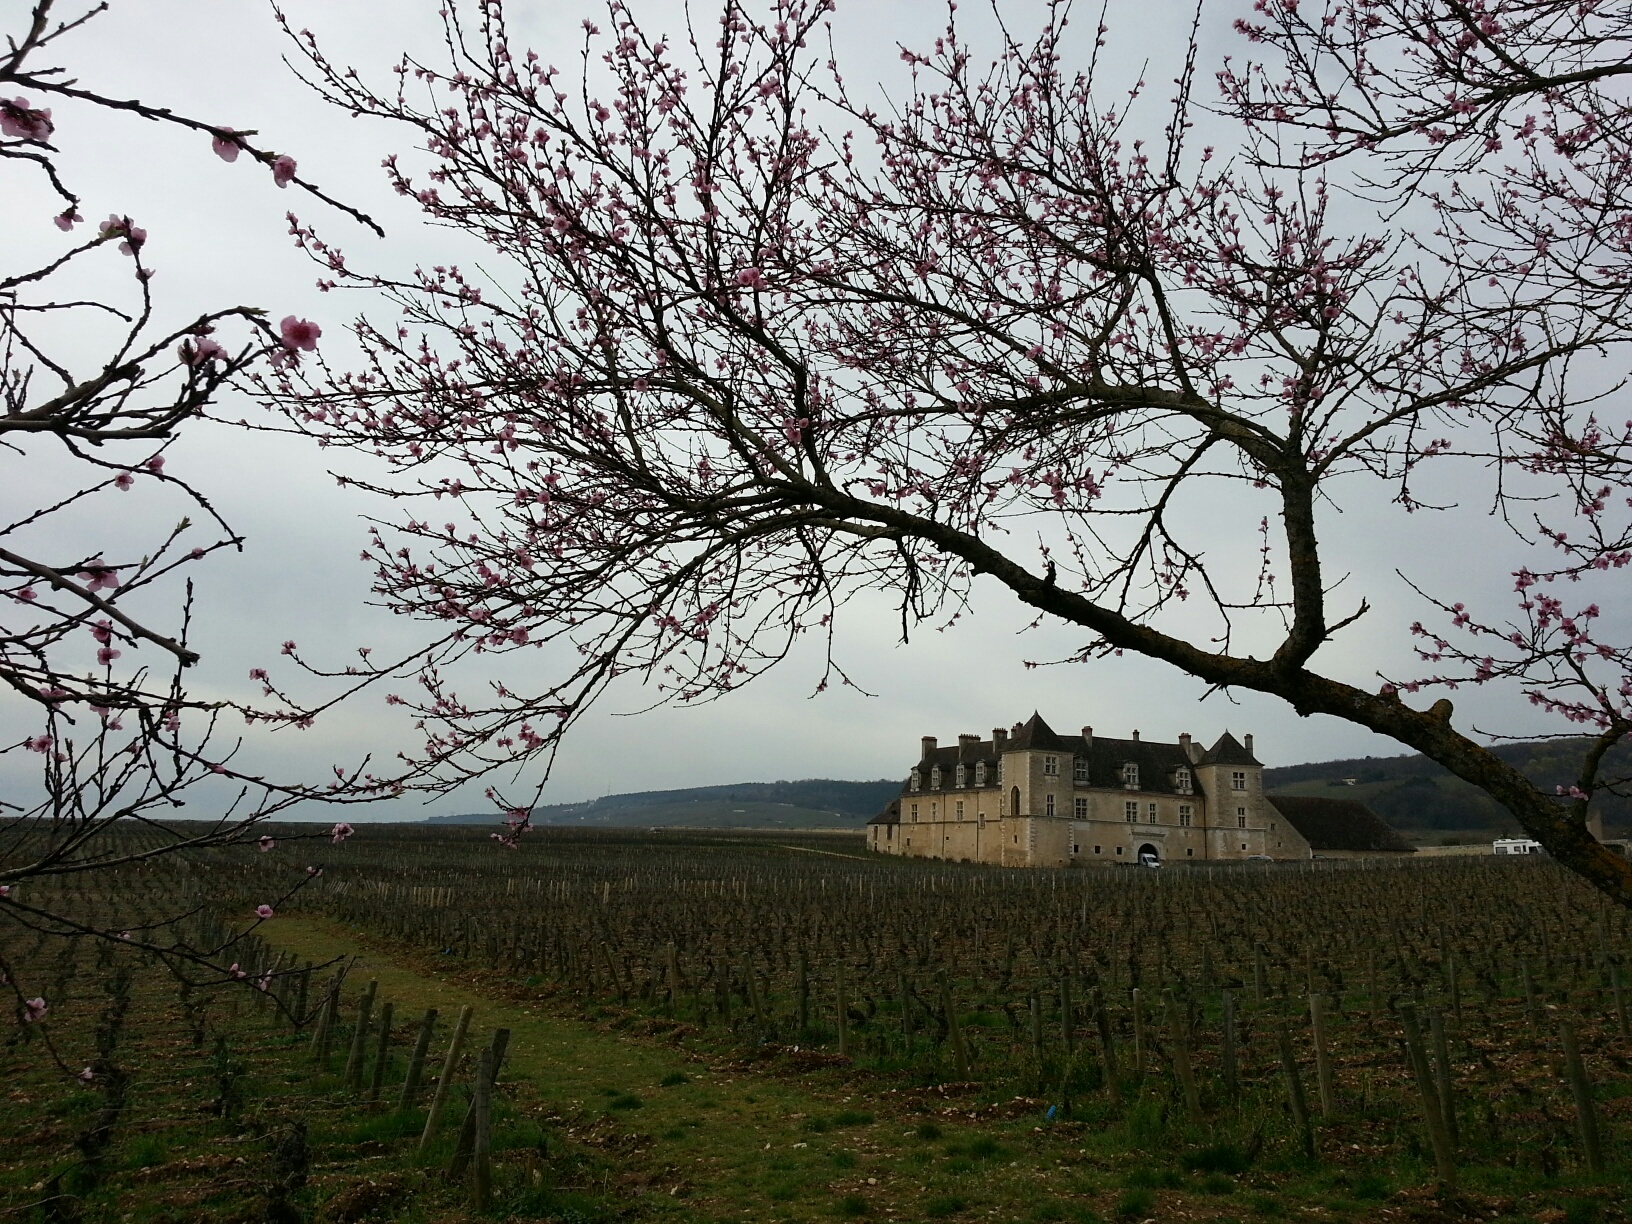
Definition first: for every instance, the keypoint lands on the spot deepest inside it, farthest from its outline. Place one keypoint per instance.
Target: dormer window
(980, 773)
(1181, 779)
(1130, 776)
(1079, 772)
(916, 781)
(963, 776)
(935, 778)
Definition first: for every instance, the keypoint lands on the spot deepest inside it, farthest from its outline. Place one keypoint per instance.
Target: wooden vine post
(444, 1085)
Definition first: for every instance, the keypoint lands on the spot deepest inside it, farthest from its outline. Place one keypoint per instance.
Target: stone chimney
(929, 747)
(1136, 737)
(1000, 739)
(1248, 739)
(1184, 742)
(966, 745)
(1016, 729)
(1088, 736)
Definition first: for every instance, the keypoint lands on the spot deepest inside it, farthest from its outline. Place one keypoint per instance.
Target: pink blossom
(28, 594)
(299, 334)
(87, 1075)
(96, 580)
(40, 744)
(314, 872)
(340, 832)
(265, 844)
(235, 971)
(283, 169)
(263, 911)
(122, 227)
(102, 631)
(752, 278)
(16, 119)
(288, 648)
(123, 481)
(107, 655)
(155, 464)
(34, 1010)
(67, 220)
(125, 935)
(226, 148)
(200, 350)
(5, 890)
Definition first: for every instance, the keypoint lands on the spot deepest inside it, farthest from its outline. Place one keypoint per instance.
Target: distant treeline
(1410, 792)
(854, 802)
(1413, 792)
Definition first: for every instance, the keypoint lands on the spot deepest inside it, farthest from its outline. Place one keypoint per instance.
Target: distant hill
(1413, 793)
(1410, 792)
(807, 804)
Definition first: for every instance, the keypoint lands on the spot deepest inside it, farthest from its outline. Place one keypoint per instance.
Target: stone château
(1029, 797)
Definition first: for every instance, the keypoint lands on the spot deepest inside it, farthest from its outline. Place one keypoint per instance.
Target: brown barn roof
(1339, 824)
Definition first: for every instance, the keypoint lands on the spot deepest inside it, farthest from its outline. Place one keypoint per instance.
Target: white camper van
(1516, 845)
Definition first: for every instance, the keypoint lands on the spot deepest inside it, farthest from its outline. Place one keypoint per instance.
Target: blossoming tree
(743, 345)
(120, 741)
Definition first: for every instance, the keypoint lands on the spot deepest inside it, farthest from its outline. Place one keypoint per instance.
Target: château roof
(891, 815)
(1338, 824)
(1106, 757)
(1230, 751)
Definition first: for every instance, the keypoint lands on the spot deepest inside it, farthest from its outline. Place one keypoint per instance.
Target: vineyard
(1445, 1039)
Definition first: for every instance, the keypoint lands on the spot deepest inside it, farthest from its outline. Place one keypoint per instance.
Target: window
(1188, 853)
(1000, 771)
(1074, 847)
(1186, 814)
(934, 811)
(1130, 811)
(1238, 780)
(1079, 771)
(960, 809)
(1150, 812)
(1240, 819)
(1096, 849)
(1051, 766)
(1130, 776)
(1119, 849)
(1082, 809)
(963, 777)
(980, 820)
(1181, 779)
(1048, 805)
(915, 813)
(1272, 826)
(980, 774)
(1002, 804)
(935, 778)
(916, 780)
(1243, 845)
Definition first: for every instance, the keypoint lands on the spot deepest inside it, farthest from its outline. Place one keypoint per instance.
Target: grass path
(725, 1144)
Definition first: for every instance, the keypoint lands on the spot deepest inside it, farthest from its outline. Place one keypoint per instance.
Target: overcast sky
(217, 237)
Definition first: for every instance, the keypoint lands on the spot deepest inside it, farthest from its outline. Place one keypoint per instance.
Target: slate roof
(1106, 757)
(1230, 751)
(1339, 824)
(891, 815)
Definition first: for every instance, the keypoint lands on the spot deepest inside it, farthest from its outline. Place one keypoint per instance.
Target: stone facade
(1028, 797)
